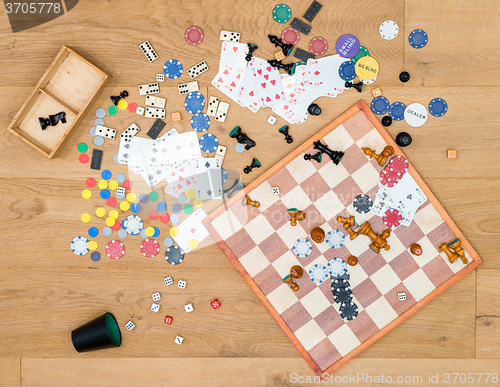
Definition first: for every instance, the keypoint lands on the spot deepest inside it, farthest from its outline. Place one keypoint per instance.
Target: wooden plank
(488, 314)
(10, 371)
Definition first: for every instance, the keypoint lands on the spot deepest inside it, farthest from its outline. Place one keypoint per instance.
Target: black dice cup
(101, 333)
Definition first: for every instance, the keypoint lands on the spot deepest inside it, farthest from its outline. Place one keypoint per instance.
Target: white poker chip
(318, 274)
(335, 239)
(133, 224)
(80, 245)
(336, 267)
(370, 81)
(416, 115)
(302, 248)
(389, 30)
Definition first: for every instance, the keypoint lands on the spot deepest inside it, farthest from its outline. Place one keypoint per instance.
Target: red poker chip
(153, 214)
(132, 107)
(116, 226)
(398, 165)
(150, 248)
(392, 218)
(193, 35)
(90, 182)
(83, 158)
(318, 45)
(164, 218)
(290, 36)
(386, 182)
(115, 249)
(127, 184)
(111, 201)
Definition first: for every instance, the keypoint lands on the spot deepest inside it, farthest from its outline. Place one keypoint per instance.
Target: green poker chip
(363, 51)
(82, 147)
(112, 110)
(282, 13)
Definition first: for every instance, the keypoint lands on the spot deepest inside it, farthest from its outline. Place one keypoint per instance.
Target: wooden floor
(46, 291)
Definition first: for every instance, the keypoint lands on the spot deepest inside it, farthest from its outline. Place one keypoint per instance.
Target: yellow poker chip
(113, 185)
(174, 231)
(102, 184)
(366, 68)
(131, 197)
(197, 203)
(86, 194)
(122, 104)
(193, 243)
(92, 245)
(125, 206)
(114, 214)
(150, 231)
(86, 217)
(100, 212)
(191, 193)
(110, 222)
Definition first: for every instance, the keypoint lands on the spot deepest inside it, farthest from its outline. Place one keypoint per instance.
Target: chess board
(259, 241)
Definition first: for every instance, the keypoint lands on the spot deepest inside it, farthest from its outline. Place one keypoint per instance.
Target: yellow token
(110, 222)
(92, 245)
(114, 214)
(150, 231)
(85, 217)
(100, 212)
(366, 68)
(102, 184)
(193, 243)
(174, 231)
(113, 184)
(122, 104)
(131, 197)
(86, 194)
(191, 193)
(125, 206)
(197, 202)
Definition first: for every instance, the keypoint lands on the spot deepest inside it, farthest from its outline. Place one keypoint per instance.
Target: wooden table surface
(46, 291)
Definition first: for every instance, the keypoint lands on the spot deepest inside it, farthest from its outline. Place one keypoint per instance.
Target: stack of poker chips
(341, 289)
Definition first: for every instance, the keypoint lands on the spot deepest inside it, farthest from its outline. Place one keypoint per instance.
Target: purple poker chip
(347, 46)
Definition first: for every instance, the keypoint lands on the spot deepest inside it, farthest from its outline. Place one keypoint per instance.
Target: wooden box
(70, 84)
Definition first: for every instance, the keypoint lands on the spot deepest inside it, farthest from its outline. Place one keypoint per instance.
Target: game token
(102, 184)
(302, 248)
(100, 113)
(124, 206)
(133, 224)
(183, 199)
(223, 176)
(174, 218)
(120, 178)
(416, 115)
(239, 147)
(318, 274)
(172, 69)
(85, 217)
(194, 102)
(438, 107)
(398, 165)
(106, 174)
(98, 140)
(188, 209)
(132, 107)
(105, 193)
(143, 233)
(200, 122)
(98, 121)
(157, 232)
(342, 295)
(167, 242)
(387, 181)
(153, 196)
(176, 208)
(164, 218)
(174, 255)
(149, 231)
(150, 248)
(336, 267)
(95, 256)
(380, 105)
(193, 35)
(122, 234)
(93, 232)
(418, 38)
(370, 81)
(115, 249)
(191, 193)
(79, 245)
(193, 243)
(209, 143)
(363, 51)
(135, 208)
(161, 206)
(113, 185)
(127, 184)
(114, 214)
(92, 245)
(92, 131)
(318, 45)
(107, 231)
(116, 226)
(335, 239)
(143, 198)
(347, 46)
(122, 104)
(153, 214)
(346, 276)
(86, 194)
(90, 182)
(347, 71)
(392, 218)
(110, 221)
(197, 203)
(100, 212)
(366, 68)
(174, 231)
(389, 30)
(112, 110)
(290, 36)
(362, 203)
(115, 158)
(111, 201)
(131, 197)
(348, 311)
(82, 147)
(339, 283)
(397, 111)
(282, 13)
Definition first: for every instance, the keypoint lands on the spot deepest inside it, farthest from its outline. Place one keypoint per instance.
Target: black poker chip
(362, 203)
(174, 255)
(346, 276)
(348, 311)
(340, 283)
(342, 295)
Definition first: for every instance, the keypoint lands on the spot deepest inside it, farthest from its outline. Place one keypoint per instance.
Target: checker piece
(318, 274)
(335, 239)
(302, 248)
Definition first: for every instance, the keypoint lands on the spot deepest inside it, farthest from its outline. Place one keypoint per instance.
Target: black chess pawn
(242, 138)
(287, 67)
(403, 139)
(336, 156)
(284, 130)
(317, 157)
(314, 109)
(116, 98)
(251, 48)
(404, 76)
(286, 48)
(386, 121)
(53, 120)
(255, 164)
(357, 86)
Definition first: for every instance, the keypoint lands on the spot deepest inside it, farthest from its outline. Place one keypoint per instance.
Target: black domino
(300, 26)
(96, 159)
(302, 55)
(156, 129)
(312, 11)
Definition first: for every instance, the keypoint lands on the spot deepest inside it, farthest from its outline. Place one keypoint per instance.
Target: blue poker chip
(157, 232)
(135, 208)
(438, 107)
(172, 69)
(93, 232)
(194, 102)
(106, 174)
(397, 111)
(200, 122)
(335, 239)
(380, 105)
(79, 245)
(105, 194)
(347, 71)
(95, 256)
(209, 143)
(224, 175)
(418, 38)
(144, 198)
(302, 248)
(161, 206)
(133, 224)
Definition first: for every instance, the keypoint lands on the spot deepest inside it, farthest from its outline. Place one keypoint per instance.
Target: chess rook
(284, 130)
(255, 164)
(247, 201)
(116, 98)
(317, 157)
(336, 156)
(242, 138)
(378, 241)
(237, 186)
(286, 48)
(381, 158)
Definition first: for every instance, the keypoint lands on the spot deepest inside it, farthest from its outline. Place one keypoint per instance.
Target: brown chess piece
(318, 234)
(456, 245)
(246, 201)
(416, 249)
(452, 257)
(288, 280)
(378, 241)
(381, 158)
(295, 272)
(352, 234)
(296, 216)
(349, 220)
(352, 260)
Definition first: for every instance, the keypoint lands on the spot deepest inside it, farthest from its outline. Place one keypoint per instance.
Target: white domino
(154, 113)
(230, 36)
(130, 132)
(220, 153)
(105, 132)
(149, 51)
(222, 112)
(197, 69)
(150, 88)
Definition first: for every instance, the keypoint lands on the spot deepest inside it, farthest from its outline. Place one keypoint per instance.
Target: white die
(271, 120)
(155, 307)
(401, 296)
(139, 110)
(156, 296)
(275, 190)
(188, 307)
(168, 280)
(181, 284)
(160, 77)
(179, 339)
(130, 325)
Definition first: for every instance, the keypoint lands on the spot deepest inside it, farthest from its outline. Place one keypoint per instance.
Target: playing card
(204, 190)
(292, 112)
(192, 231)
(382, 202)
(215, 177)
(247, 95)
(302, 92)
(139, 152)
(180, 147)
(228, 80)
(233, 54)
(128, 149)
(267, 82)
(323, 73)
(406, 194)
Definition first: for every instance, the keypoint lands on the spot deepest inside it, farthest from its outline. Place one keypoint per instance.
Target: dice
(376, 92)
(271, 120)
(188, 307)
(168, 280)
(181, 284)
(160, 77)
(179, 339)
(168, 320)
(156, 296)
(401, 296)
(215, 304)
(176, 116)
(155, 307)
(275, 190)
(130, 325)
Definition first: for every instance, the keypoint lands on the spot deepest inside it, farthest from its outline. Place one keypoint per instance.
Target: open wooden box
(70, 84)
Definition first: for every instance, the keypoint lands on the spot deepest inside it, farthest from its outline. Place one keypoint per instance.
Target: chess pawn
(242, 138)
(456, 245)
(317, 157)
(115, 99)
(247, 201)
(318, 234)
(237, 186)
(251, 48)
(352, 260)
(255, 164)
(350, 220)
(284, 130)
(288, 280)
(352, 234)
(416, 249)
(452, 257)
(296, 216)
(381, 158)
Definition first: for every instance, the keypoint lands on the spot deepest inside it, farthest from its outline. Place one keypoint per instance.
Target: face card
(192, 230)
(267, 80)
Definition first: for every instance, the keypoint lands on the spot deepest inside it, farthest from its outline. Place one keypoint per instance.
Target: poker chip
(172, 68)
(239, 148)
(380, 105)
(98, 140)
(347, 71)
(132, 107)
(346, 276)
(282, 13)
(318, 45)
(209, 143)
(318, 274)
(193, 35)
(363, 51)
(112, 110)
(200, 122)
(389, 30)
(290, 36)
(362, 203)
(223, 175)
(122, 234)
(438, 107)
(388, 180)
(348, 311)
(418, 38)
(80, 245)
(133, 224)
(398, 165)
(335, 239)
(415, 115)
(115, 249)
(161, 206)
(336, 267)
(342, 295)
(370, 81)
(150, 248)
(167, 242)
(100, 113)
(338, 283)
(176, 208)
(182, 199)
(302, 248)
(98, 121)
(367, 68)
(397, 111)
(174, 255)
(95, 256)
(106, 231)
(194, 102)
(347, 46)
(392, 218)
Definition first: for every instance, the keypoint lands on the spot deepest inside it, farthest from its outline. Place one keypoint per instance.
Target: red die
(168, 320)
(215, 304)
